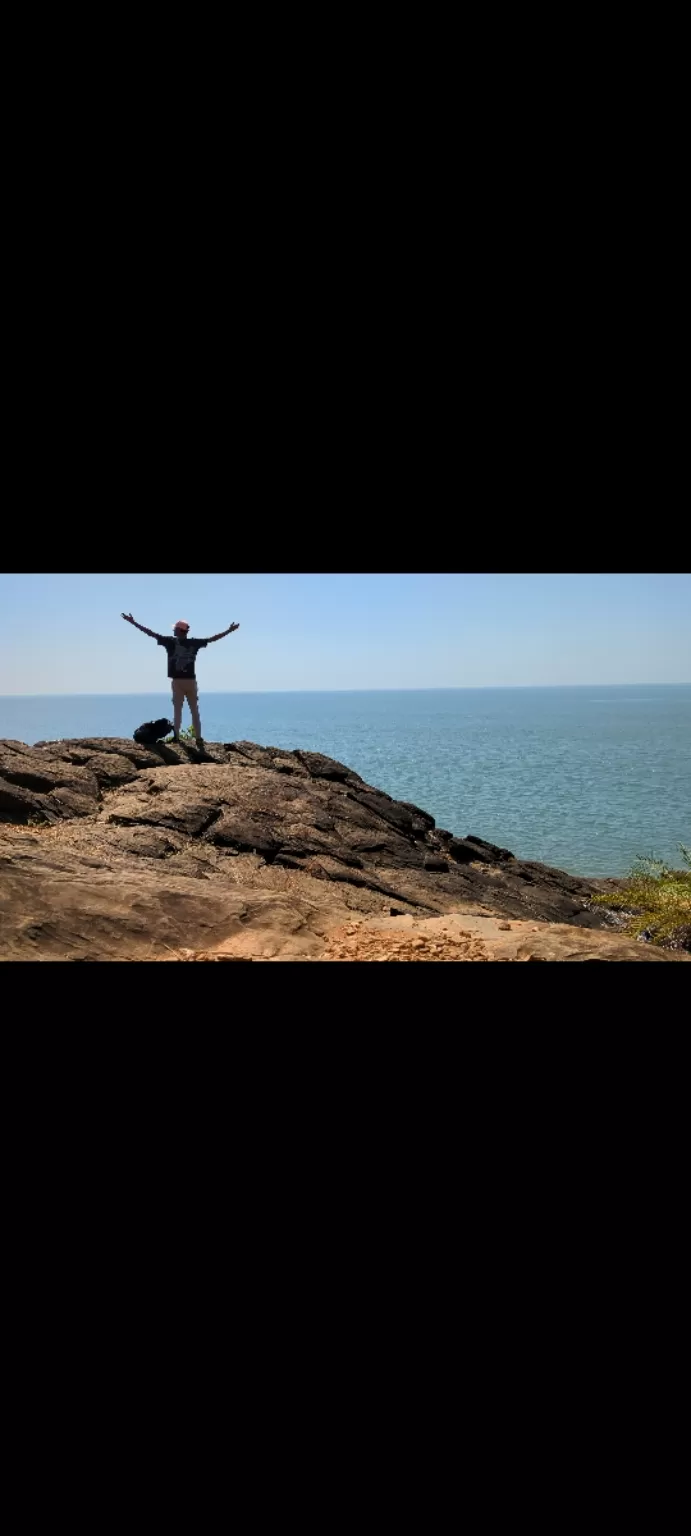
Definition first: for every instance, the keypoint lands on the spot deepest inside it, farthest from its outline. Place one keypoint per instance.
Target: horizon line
(429, 688)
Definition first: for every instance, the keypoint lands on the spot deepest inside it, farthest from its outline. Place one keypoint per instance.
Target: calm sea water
(582, 778)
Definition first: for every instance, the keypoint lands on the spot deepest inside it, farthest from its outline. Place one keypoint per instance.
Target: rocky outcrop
(105, 846)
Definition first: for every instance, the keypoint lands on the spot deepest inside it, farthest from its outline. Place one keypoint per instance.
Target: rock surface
(109, 850)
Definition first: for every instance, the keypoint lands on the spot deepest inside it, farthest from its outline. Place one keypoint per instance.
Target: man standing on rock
(182, 651)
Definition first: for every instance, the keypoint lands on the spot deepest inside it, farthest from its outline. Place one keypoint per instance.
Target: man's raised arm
(224, 632)
(144, 630)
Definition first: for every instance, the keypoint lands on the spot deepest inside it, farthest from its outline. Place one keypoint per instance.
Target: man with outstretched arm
(182, 650)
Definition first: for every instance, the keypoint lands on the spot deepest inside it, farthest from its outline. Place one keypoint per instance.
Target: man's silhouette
(182, 650)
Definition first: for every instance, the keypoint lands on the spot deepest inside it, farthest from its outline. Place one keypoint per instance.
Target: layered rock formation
(109, 850)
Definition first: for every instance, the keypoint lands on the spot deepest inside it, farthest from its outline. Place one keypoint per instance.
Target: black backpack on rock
(153, 730)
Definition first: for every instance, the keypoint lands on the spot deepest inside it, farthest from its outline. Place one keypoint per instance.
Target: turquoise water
(582, 778)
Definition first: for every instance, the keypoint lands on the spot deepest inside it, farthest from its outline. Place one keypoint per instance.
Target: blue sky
(65, 634)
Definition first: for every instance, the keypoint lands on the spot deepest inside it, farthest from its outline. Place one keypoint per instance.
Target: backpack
(146, 735)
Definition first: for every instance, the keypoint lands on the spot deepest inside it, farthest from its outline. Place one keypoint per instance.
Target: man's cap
(181, 624)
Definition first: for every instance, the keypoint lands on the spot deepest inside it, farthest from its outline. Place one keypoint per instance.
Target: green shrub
(186, 733)
(659, 899)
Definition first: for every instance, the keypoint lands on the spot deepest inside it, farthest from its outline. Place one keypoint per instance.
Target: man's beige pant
(182, 689)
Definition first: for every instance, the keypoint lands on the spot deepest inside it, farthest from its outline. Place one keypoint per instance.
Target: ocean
(582, 778)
